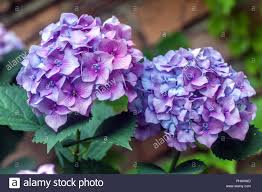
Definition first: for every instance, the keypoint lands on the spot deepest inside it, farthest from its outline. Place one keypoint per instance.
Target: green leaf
(97, 150)
(14, 110)
(10, 65)
(63, 153)
(148, 168)
(228, 148)
(117, 130)
(120, 105)
(21, 164)
(100, 112)
(211, 161)
(190, 167)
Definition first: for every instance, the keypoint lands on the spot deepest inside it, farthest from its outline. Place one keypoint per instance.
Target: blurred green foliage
(239, 23)
(257, 121)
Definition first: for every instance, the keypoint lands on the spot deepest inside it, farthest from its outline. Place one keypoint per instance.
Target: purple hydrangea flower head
(79, 60)
(194, 95)
(8, 41)
(43, 169)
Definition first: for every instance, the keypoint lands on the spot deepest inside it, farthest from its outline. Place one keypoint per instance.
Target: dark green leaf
(88, 127)
(190, 167)
(14, 110)
(98, 150)
(228, 148)
(63, 153)
(147, 168)
(117, 130)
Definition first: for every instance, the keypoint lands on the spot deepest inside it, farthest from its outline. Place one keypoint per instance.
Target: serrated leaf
(148, 168)
(10, 65)
(117, 130)
(228, 148)
(46, 135)
(190, 167)
(97, 150)
(100, 112)
(14, 110)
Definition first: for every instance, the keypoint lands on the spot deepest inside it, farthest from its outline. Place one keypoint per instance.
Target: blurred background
(233, 27)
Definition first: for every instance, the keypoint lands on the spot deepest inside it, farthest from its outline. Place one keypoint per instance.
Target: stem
(78, 141)
(176, 155)
(77, 149)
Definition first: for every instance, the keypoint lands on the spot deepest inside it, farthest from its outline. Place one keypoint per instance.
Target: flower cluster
(79, 60)
(8, 41)
(194, 95)
(43, 169)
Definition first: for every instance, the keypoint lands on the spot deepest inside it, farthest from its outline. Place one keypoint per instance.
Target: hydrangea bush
(85, 89)
(194, 95)
(80, 60)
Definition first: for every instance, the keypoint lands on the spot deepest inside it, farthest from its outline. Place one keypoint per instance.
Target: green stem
(69, 144)
(77, 149)
(176, 155)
